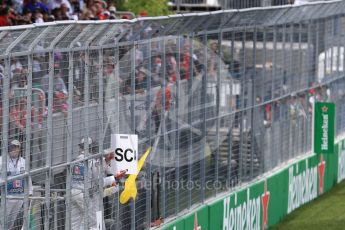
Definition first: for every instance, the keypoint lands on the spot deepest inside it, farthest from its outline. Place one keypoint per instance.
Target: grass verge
(325, 213)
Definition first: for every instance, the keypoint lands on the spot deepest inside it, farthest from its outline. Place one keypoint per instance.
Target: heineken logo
(302, 186)
(324, 145)
(248, 214)
(323, 129)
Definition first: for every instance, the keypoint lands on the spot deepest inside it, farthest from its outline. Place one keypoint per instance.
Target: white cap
(112, 9)
(15, 142)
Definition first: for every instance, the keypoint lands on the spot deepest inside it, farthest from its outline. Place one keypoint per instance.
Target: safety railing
(216, 99)
(197, 5)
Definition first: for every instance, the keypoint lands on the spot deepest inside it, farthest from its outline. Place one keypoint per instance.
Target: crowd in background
(155, 69)
(157, 65)
(23, 12)
(149, 67)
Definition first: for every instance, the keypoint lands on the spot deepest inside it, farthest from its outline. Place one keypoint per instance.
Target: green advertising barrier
(265, 203)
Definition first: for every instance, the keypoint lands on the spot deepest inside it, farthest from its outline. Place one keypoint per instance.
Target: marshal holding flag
(323, 127)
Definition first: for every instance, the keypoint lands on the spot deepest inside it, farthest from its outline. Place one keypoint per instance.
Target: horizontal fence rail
(198, 5)
(216, 100)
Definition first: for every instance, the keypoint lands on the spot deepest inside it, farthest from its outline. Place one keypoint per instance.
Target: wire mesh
(221, 98)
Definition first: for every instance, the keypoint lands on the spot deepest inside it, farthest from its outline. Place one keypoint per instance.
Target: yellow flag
(130, 190)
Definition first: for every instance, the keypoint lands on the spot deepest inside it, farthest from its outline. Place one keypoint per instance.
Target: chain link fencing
(220, 99)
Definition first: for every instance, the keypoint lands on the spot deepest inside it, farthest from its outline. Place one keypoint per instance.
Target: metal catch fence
(198, 5)
(217, 99)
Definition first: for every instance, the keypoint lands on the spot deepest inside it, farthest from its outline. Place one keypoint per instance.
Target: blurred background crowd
(22, 12)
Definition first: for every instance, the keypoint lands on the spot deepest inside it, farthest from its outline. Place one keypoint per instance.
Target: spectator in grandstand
(38, 17)
(311, 99)
(15, 188)
(19, 12)
(171, 65)
(56, 4)
(212, 60)
(112, 82)
(13, 16)
(139, 56)
(156, 70)
(188, 59)
(34, 5)
(37, 72)
(76, 98)
(77, 6)
(99, 10)
(235, 69)
(315, 94)
(16, 66)
(126, 87)
(58, 82)
(159, 103)
(26, 18)
(112, 11)
(297, 108)
(19, 79)
(4, 14)
(17, 119)
(87, 15)
(60, 102)
(185, 65)
(57, 14)
(268, 114)
(65, 14)
(95, 174)
(140, 80)
(79, 73)
(259, 113)
(326, 93)
(17, 6)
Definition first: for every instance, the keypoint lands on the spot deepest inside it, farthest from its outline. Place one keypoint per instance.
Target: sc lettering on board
(125, 147)
(127, 154)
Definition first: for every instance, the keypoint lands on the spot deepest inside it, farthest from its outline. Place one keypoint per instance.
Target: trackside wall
(283, 190)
